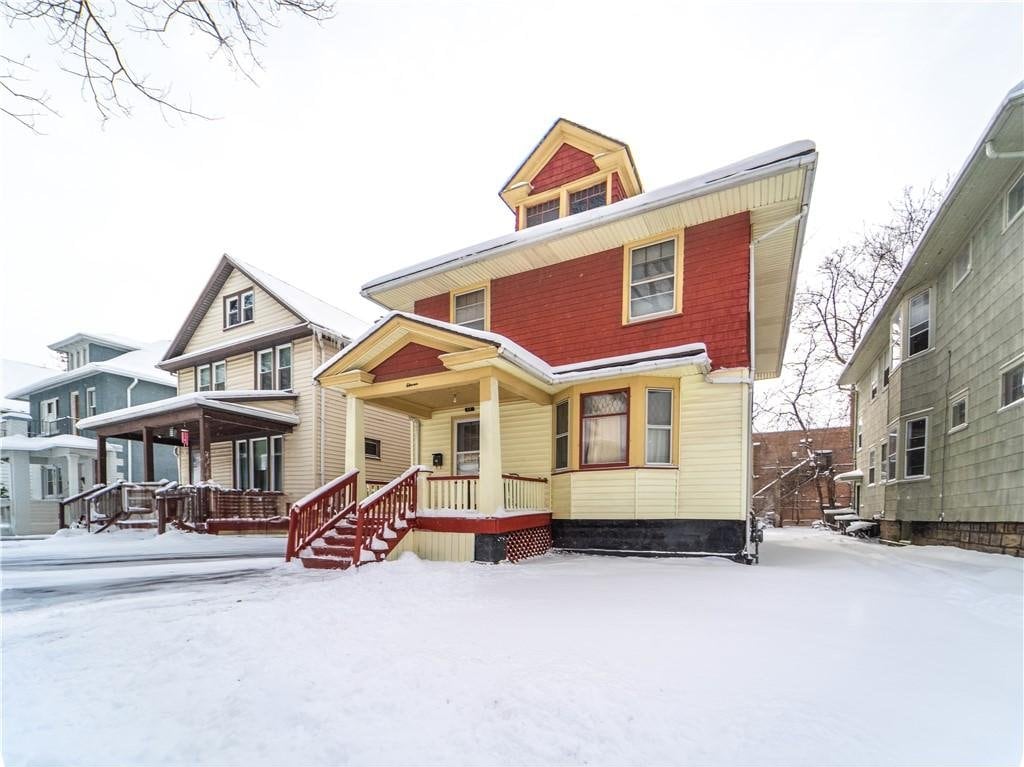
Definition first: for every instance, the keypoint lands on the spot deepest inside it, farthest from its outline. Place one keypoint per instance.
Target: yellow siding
(186, 381)
(712, 469)
(241, 373)
(221, 465)
(656, 493)
(437, 547)
(393, 432)
(604, 494)
(268, 314)
(300, 471)
(560, 496)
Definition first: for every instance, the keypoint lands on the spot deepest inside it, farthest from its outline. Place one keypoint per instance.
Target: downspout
(128, 443)
(321, 418)
(945, 436)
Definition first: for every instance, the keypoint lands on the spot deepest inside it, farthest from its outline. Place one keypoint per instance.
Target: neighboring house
(247, 413)
(36, 471)
(794, 473)
(588, 376)
(939, 375)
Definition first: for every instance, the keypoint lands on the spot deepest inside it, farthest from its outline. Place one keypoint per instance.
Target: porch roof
(20, 442)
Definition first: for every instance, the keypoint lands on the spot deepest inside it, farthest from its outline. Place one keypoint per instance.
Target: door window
(467, 447)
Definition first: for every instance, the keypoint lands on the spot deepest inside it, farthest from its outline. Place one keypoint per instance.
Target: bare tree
(17, 99)
(99, 42)
(833, 310)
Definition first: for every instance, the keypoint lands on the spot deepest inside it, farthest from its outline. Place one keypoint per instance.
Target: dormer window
(586, 199)
(238, 308)
(542, 213)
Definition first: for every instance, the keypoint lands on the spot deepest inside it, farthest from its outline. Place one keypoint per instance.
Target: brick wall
(410, 360)
(565, 166)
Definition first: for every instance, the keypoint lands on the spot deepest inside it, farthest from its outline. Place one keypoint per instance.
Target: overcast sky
(382, 138)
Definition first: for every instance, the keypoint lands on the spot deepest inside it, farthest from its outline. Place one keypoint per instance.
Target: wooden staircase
(328, 529)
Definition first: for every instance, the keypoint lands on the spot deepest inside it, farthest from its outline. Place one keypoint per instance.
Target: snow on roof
(106, 339)
(35, 444)
(686, 354)
(235, 341)
(140, 364)
(765, 163)
(307, 306)
(212, 400)
(849, 476)
(16, 375)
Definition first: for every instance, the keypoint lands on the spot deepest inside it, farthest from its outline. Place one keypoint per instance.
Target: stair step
(326, 563)
(336, 539)
(327, 550)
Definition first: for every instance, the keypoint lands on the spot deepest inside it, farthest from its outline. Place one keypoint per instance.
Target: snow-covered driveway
(832, 651)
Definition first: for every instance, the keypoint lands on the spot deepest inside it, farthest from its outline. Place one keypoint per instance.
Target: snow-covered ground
(833, 651)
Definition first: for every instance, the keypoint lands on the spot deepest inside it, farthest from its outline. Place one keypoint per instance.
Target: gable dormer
(571, 170)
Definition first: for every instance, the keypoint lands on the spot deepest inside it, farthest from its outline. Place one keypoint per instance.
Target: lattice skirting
(532, 542)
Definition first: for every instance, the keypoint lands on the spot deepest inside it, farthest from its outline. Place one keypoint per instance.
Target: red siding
(435, 307)
(410, 360)
(565, 166)
(572, 311)
(618, 193)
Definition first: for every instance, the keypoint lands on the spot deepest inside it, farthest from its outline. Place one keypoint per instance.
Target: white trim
(1008, 222)
(1002, 385)
(1012, 362)
(207, 399)
(278, 366)
(223, 364)
(659, 427)
(1013, 404)
(907, 448)
(970, 263)
(930, 291)
(90, 390)
(961, 396)
(913, 414)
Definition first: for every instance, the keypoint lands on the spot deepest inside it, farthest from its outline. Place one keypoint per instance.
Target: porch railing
(197, 505)
(315, 514)
(383, 518)
(459, 493)
(75, 507)
(53, 428)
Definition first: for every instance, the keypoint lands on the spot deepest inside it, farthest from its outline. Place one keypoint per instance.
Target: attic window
(586, 199)
(238, 308)
(542, 213)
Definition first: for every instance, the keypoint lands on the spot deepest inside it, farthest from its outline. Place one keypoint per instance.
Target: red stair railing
(319, 511)
(384, 509)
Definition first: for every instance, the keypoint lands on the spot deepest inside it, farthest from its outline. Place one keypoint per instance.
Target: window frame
(52, 477)
(557, 200)
(222, 365)
(931, 323)
(969, 250)
(582, 417)
(275, 477)
(259, 371)
(469, 289)
(569, 194)
(278, 367)
(954, 400)
(875, 373)
(566, 435)
(240, 297)
(677, 278)
(872, 470)
(883, 461)
(378, 456)
(90, 401)
(208, 367)
(893, 444)
(648, 426)
(907, 448)
(1006, 370)
(562, 193)
(1007, 219)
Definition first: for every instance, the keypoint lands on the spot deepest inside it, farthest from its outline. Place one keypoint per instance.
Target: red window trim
(629, 407)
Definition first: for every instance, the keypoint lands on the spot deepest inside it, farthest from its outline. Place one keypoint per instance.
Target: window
(652, 280)
(1015, 201)
(919, 322)
(219, 375)
(90, 401)
(962, 264)
(284, 366)
(470, 309)
(76, 407)
(915, 459)
(49, 414)
(874, 380)
(895, 342)
(585, 199)
(238, 308)
(894, 435)
(659, 426)
(259, 463)
(265, 369)
(53, 485)
(883, 461)
(1013, 384)
(204, 381)
(958, 412)
(605, 426)
(467, 447)
(542, 213)
(371, 448)
(562, 435)
(871, 466)
(860, 434)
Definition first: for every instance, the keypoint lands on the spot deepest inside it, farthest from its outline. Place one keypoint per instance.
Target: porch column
(355, 444)
(490, 494)
(204, 449)
(101, 460)
(147, 454)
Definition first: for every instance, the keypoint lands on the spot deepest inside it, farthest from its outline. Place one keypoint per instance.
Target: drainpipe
(128, 443)
(992, 154)
(748, 479)
(321, 419)
(945, 436)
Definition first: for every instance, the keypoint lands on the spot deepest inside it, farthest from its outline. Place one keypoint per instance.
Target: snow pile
(558, 660)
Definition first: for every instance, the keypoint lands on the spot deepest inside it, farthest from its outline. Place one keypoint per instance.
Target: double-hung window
(1015, 201)
(659, 426)
(872, 456)
(894, 435)
(562, 435)
(895, 342)
(274, 368)
(605, 428)
(211, 377)
(284, 366)
(239, 308)
(259, 463)
(265, 369)
(53, 482)
(958, 412)
(652, 280)
(470, 309)
(874, 380)
(915, 462)
(586, 199)
(962, 264)
(542, 212)
(220, 372)
(919, 323)
(1013, 385)
(883, 461)
(90, 401)
(204, 381)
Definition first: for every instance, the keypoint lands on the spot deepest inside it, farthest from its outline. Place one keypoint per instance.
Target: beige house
(248, 414)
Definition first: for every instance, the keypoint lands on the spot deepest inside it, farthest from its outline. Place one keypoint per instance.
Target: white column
(355, 444)
(490, 492)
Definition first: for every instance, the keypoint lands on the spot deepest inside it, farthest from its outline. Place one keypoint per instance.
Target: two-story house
(587, 376)
(55, 456)
(939, 374)
(247, 414)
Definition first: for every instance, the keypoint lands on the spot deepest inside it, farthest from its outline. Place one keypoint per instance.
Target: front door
(467, 447)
